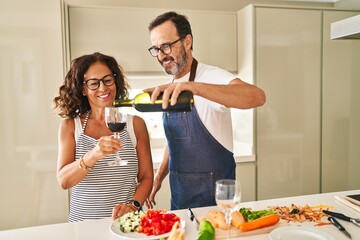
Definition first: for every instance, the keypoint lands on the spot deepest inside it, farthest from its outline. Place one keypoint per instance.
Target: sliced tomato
(157, 222)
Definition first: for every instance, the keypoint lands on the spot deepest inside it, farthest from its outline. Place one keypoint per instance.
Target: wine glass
(228, 197)
(115, 120)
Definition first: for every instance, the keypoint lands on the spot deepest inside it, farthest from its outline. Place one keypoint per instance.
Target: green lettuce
(252, 215)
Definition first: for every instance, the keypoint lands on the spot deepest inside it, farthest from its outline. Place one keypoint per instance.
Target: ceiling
(212, 5)
(219, 5)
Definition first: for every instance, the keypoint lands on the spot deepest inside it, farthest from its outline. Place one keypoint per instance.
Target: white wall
(31, 69)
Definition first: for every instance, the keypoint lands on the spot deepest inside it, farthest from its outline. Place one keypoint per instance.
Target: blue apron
(197, 160)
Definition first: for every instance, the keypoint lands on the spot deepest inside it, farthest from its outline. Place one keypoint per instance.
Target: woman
(86, 145)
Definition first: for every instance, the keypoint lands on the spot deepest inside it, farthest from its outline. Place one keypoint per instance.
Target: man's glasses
(164, 48)
(94, 83)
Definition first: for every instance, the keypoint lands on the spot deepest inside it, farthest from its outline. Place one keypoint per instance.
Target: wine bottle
(142, 103)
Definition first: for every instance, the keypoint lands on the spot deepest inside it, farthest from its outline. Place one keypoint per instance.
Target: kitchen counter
(99, 229)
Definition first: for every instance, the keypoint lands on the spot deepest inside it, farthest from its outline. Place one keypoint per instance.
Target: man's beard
(179, 64)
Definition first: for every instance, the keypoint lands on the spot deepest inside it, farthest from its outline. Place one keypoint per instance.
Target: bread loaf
(217, 219)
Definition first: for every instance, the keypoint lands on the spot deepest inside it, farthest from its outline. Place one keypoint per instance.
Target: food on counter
(153, 222)
(244, 219)
(294, 213)
(217, 219)
(130, 222)
(175, 234)
(156, 222)
(259, 223)
(250, 215)
(237, 219)
(206, 230)
(257, 219)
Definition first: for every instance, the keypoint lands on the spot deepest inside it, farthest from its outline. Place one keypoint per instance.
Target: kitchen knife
(343, 217)
(193, 218)
(339, 226)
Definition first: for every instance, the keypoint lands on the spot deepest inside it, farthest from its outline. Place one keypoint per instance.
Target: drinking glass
(228, 197)
(115, 120)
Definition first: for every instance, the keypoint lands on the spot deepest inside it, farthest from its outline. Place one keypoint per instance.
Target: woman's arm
(68, 171)
(146, 172)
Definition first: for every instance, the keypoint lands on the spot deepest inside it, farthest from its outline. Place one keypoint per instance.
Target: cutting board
(234, 232)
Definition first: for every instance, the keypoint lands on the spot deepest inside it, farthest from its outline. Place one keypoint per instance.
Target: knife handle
(336, 223)
(191, 214)
(337, 215)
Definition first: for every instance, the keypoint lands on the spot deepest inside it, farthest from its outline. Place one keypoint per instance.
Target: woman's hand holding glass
(105, 146)
(116, 121)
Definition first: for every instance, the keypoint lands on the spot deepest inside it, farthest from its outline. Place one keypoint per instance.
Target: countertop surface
(100, 229)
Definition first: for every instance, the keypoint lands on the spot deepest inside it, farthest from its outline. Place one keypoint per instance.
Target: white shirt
(215, 117)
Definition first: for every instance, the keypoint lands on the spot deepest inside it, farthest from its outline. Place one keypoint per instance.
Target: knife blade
(339, 226)
(193, 218)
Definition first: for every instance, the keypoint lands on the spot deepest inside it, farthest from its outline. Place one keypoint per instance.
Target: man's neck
(187, 68)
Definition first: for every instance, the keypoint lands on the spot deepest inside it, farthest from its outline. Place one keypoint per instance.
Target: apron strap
(193, 70)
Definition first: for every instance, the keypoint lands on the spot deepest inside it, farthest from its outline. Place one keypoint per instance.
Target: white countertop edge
(245, 159)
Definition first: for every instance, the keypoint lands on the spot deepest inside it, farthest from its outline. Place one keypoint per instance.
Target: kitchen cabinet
(307, 131)
(341, 109)
(127, 36)
(287, 65)
(245, 173)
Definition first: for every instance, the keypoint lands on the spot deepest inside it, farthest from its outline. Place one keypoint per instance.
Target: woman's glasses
(94, 83)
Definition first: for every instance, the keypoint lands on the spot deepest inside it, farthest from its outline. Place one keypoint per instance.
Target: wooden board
(234, 232)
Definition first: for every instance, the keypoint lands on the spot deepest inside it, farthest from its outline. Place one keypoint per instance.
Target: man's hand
(150, 201)
(170, 92)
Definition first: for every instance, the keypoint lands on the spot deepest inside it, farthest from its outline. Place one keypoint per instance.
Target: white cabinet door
(341, 110)
(245, 173)
(288, 67)
(123, 33)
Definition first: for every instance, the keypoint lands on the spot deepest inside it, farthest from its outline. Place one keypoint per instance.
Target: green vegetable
(206, 231)
(294, 211)
(252, 215)
(130, 222)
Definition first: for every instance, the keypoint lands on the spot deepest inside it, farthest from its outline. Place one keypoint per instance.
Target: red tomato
(157, 222)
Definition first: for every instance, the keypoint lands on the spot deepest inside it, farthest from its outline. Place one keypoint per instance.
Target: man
(199, 143)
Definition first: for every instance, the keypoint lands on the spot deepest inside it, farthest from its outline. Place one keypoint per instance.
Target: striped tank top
(104, 186)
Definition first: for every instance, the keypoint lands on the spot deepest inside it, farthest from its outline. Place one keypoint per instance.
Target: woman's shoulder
(67, 126)
(68, 122)
(137, 119)
(138, 122)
